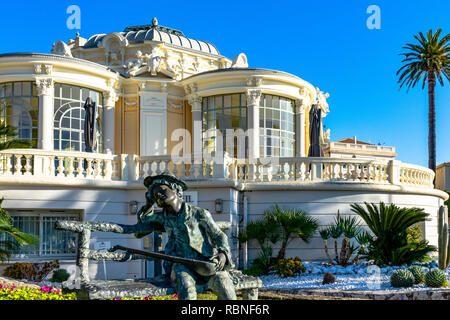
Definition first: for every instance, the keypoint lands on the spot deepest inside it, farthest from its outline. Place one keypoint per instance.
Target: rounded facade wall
(89, 204)
(324, 205)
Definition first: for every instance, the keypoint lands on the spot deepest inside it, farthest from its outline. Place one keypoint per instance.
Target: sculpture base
(159, 286)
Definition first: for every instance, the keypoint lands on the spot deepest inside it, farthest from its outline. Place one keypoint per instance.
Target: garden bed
(361, 281)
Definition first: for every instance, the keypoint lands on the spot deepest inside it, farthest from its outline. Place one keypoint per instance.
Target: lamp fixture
(219, 205)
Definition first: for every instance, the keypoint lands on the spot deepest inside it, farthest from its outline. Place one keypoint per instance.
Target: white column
(45, 126)
(108, 120)
(253, 98)
(196, 103)
(300, 123)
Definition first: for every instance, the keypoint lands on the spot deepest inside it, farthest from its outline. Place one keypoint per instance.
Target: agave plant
(292, 224)
(389, 225)
(10, 246)
(349, 228)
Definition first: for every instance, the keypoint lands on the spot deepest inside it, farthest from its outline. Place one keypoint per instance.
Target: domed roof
(155, 32)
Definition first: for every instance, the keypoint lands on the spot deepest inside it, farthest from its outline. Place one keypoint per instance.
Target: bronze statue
(192, 234)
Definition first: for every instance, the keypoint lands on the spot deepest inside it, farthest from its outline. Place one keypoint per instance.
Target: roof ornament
(154, 22)
(240, 61)
(62, 49)
(77, 35)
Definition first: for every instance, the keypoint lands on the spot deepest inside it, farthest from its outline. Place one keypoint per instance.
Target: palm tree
(264, 233)
(8, 138)
(292, 224)
(10, 245)
(389, 225)
(428, 60)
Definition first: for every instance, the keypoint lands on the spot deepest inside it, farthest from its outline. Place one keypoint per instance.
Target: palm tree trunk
(431, 121)
(282, 251)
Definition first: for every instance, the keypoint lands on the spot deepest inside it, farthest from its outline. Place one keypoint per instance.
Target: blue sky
(326, 43)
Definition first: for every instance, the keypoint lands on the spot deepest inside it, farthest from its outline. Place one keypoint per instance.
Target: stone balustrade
(132, 168)
(360, 147)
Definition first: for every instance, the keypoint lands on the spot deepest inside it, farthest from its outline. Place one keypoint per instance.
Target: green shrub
(31, 271)
(402, 278)
(393, 241)
(418, 273)
(435, 278)
(257, 268)
(289, 267)
(60, 275)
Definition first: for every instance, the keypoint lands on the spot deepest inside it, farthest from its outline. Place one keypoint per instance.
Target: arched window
(222, 113)
(19, 107)
(276, 126)
(69, 117)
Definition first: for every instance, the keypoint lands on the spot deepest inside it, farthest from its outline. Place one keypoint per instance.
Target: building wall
(443, 176)
(324, 205)
(130, 122)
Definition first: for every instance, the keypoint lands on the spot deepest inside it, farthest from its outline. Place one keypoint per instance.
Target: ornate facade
(160, 94)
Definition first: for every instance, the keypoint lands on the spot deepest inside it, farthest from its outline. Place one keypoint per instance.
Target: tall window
(277, 126)
(19, 106)
(51, 242)
(223, 112)
(69, 117)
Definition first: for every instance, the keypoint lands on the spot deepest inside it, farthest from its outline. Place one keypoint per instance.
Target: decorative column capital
(195, 101)
(44, 86)
(300, 106)
(191, 88)
(253, 96)
(110, 98)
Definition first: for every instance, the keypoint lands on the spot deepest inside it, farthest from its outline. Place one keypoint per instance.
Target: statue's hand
(149, 200)
(220, 261)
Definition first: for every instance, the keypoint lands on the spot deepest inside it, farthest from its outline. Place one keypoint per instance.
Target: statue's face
(164, 195)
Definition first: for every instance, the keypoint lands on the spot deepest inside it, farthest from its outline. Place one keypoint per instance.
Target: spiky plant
(428, 60)
(10, 245)
(389, 225)
(325, 235)
(349, 228)
(292, 224)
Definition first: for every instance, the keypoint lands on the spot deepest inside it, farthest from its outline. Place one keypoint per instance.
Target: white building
(148, 82)
(352, 148)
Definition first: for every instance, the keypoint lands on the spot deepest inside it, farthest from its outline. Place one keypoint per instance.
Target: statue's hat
(165, 176)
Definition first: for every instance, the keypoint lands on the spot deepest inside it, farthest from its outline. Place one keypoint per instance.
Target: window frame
(65, 105)
(40, 255)
(276, 134)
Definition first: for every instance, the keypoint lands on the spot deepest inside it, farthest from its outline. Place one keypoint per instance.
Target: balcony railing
(360, 147)
(131, 168)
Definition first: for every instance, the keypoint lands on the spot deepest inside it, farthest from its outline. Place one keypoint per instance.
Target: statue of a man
(192, 233)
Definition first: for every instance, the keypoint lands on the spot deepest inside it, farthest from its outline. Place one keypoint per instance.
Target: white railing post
(39, 166)
(394, 171)
(123, 167)
(316, 171)
(133, 165)
(221, 168)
